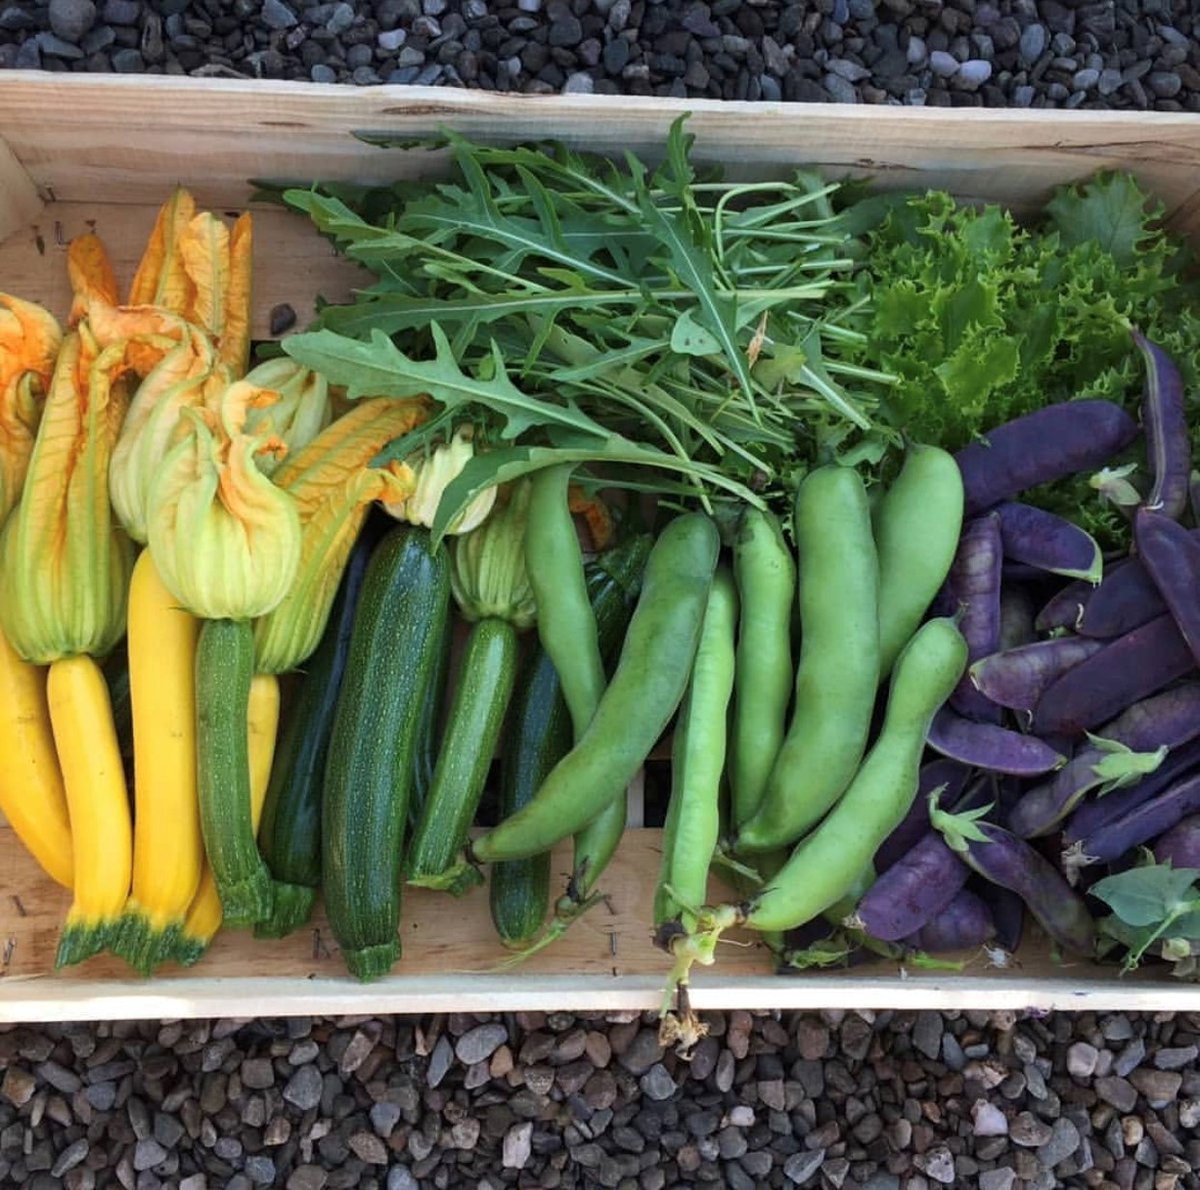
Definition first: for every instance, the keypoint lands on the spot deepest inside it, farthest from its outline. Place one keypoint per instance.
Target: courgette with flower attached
(492, 591)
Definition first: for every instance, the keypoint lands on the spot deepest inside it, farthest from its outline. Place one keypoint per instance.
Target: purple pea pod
(1125, 671)
(1092, 816)
(1017, 678)
(912, 891)
(1013, 864)
(1171, 718)
(1125, 599)
(1172, 556)
(986, 746)
(1194, 495)
(1049, 444)
(1008, 914)
(966, 922)
(1168, 444)
(1040, 539)
(1180, 846)
(975, 581)
(948, 775)
(1065, 609)
(1165, 721)
(1016, 617)
(1139, 826)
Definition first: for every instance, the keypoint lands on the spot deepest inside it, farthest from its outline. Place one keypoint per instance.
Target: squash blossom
(487, 573)
(435, 472)
(300, 411)
(93, 281)
(29, 342)
(225, 538)
(333, 485)
(66, 565)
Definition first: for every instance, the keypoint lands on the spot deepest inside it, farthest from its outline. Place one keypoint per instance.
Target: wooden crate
(81, 152)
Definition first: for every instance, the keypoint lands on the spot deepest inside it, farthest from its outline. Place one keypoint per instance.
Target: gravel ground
(853, 1101)
(1138, 54)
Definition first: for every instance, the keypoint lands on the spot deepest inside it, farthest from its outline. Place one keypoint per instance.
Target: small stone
(384, 1117)
(168, 1130)
(657, 1083)
(565, 31)
(997, 1179)
(257, 1073)
(366, 1146)
(121, 12)
(517, 1147)
(1189, 1113)
(128, 61)
(643, 1052)
(480, 1043)
(1130, 1058)
(70, 1157)
(973, 73)
(988, 1119)
(1166, 84)
(260, 1170)
(1063, 1143)
(303, 1089)
(307, 1177)
(579, 82)
(1030, 1132)
(1160, 1087)
(1176, 1058)
(440, 1062)
(799, 1167)
(1117, 1091)
(71, 20)
(1082, 1059)
(942, 64)
(18, 1086)
(939, 1165)
(927, 1030)
(147, 1154)
(1032, 44)
(400, 1178)
(812, 1039)
(277, 15)
(840, 90)
(320, 73)
(1085, 80)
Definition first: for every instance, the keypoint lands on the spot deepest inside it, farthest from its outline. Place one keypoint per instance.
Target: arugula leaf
(379, 368)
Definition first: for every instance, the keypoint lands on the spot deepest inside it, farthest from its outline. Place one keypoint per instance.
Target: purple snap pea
(947, 775)
(987, 746)
(1049, 444)
(1126, 599)
(1016, 678)
(1168, 443)
(1012, 863)
(1180, 846)
(966, 922)
(1140, 825)
(1016, 617)
(1008, 913)
(1125, 671)
(912, 891)
(1047, 542)
(1065, 609)
(1172, 556)
(975, 582)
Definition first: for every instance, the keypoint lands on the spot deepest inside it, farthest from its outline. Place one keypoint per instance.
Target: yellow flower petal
(91, 274)
(161, 279)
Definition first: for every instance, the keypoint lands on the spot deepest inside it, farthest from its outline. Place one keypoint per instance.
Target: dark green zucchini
(539, 735)
(400, 623)
(289, 836)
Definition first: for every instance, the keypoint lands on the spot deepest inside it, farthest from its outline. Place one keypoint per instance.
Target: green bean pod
(566, 624)
(824, 866)
(917, 523)
(698, 761)
(765, 572)
(645, 691)
(838, 673)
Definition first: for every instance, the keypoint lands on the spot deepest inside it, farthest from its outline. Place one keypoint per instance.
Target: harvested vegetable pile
(880, 507)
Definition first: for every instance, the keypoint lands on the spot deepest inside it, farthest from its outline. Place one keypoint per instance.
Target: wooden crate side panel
(20, 202)
(122, 140)
(452, 962)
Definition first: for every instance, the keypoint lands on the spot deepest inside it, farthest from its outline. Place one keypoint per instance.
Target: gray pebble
(440, 1061)
(840, 90)
(128, 61)
(307, 1177)
(973, 73)
(56, 47)
(260, 1170)
(1166, 84)
(391, 40)
(853, 72)
(1130, 1058)
(1082, 1059)
(988, 1119)
(939, 1165)
(945, 66)
(566, 31)
(277, 15)
(1118, 1092)
(657, 1083)
(927, 1029)
(1176, 1058)
(148, 1153)
(997, 1179)
(799, 1167)
(399, 1178)
(71, 19)
(643, 1052)
(517, 1146)
(1033, 43)
(70, 1157)
(303, 1089)
(1063, 1142)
